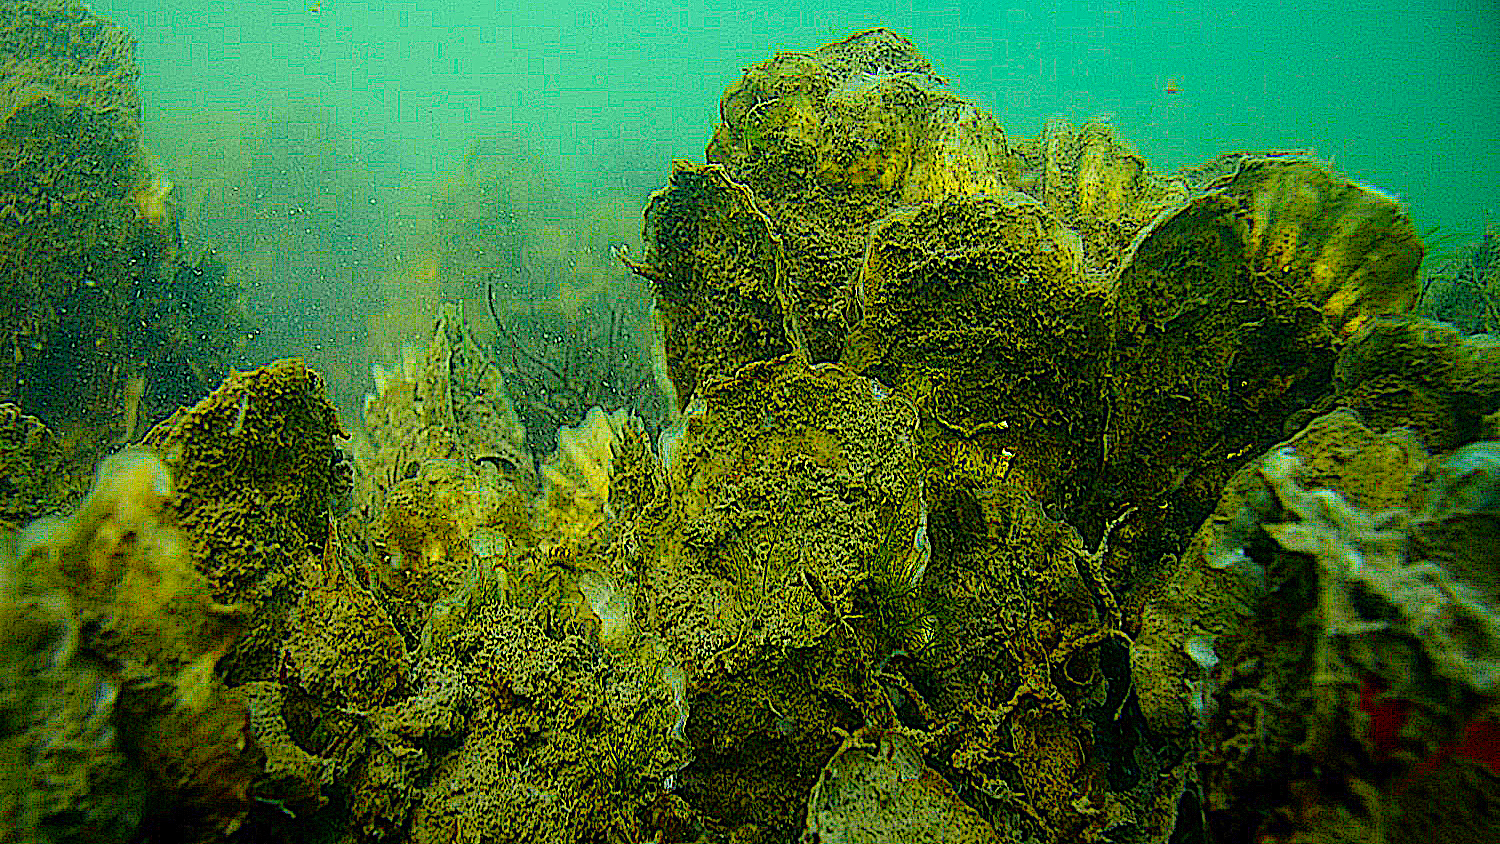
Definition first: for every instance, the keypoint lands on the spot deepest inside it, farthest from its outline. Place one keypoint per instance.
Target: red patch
(1480, 743)
(1387, 716)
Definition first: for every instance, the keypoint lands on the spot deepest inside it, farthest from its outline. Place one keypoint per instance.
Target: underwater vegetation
(1464, 290)
(558, 371)
(569, 328)
(1011, 492)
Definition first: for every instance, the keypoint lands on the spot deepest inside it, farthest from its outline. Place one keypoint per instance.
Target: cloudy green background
(1407, 97)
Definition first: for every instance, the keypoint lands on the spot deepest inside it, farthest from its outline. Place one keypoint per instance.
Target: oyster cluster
(1016, 493)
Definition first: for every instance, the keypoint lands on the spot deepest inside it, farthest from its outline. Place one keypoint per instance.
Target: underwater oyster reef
(1015, 493)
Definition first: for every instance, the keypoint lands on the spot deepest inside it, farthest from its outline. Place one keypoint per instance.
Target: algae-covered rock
(499, 725)
(438, 674)
(754, 255)
(1092, 349)
(32, 481)
(340, 701)
(560, 742)
(70, 155)
(790, 504)
(979, 310)
(1052, 305)
(114, 723)
(258, 474)
(877, 790)
(916, 563)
